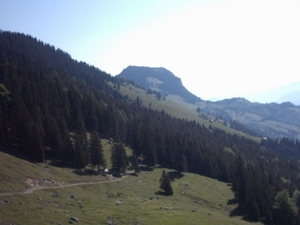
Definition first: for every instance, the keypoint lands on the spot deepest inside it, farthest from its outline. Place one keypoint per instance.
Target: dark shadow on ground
(175, 175)
(62, 164)
(236, 212)
(239, 212)
(13, 151)
(145, 168)
(232, 202)
(161, 193)
(133, 174)
(86, 172)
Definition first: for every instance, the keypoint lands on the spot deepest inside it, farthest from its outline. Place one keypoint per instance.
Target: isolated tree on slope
(165, 183)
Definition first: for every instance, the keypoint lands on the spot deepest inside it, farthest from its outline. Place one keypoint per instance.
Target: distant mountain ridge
(280, 94)
(158, 79)
(271, 119)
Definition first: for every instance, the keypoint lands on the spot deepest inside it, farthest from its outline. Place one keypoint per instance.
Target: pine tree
(54, 138)
(165, 183)
(286, 210)
(251, 206)
(240, 182)
(135, 163)
(91, 120)
(96, 149)
(148, 146)
(119, 159)
(36, 145)
(68, 154)
(80, 151)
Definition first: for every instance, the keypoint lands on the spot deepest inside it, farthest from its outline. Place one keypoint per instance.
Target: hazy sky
(219, 49)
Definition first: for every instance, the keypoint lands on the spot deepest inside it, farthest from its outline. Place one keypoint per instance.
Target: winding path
(29, 191)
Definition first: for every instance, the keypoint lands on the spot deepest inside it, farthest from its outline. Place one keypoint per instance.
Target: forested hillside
(48, 103)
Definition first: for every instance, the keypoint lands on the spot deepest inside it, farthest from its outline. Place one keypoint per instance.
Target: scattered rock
(74, 219)
(7, 201)
(118, 202)
(111, 221)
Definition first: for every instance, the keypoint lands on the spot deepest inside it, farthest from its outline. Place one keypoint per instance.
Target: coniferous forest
(48, 103)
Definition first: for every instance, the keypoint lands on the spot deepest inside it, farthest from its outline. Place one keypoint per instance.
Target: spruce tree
(36, 145)
(119, 159)
(135, 163)
(80, 151)
(251, 206)
(165, 183)
(96, 149)
(285, 208)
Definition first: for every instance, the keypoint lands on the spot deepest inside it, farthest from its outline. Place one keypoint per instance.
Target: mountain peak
(159, 79)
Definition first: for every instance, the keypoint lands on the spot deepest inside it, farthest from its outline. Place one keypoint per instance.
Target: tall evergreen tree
(90, 114)
(119, 159)
(286, 210)
(251, 206)
(96, 149)
(81, 159)
(54, 138)
(148, 146)
(68, 154)
(36, 145)
(135, 163)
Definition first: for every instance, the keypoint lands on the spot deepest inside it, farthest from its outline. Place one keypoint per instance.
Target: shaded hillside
(158, 79)
(49, 102)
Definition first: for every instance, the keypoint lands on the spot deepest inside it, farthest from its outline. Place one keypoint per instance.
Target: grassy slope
(196, 199)
(173, 108)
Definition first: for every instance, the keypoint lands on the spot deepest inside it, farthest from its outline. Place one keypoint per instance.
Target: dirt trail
(29, 191)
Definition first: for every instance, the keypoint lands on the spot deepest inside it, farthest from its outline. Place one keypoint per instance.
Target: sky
(219, 48)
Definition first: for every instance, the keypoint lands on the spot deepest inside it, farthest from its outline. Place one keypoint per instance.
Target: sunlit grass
(133, 200)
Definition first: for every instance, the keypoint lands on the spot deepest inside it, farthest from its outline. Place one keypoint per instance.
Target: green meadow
(99, 200)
